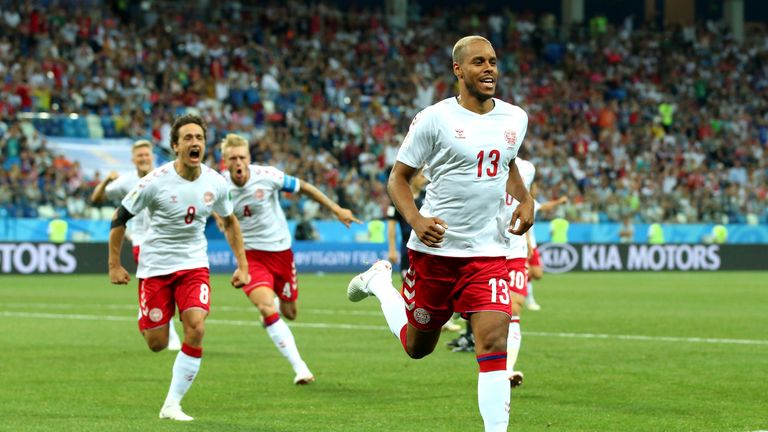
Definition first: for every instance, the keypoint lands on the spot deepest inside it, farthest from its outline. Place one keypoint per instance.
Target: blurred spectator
(669, 124)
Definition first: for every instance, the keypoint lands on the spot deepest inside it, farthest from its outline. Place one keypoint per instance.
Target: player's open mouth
(488, 82)
(194, 155)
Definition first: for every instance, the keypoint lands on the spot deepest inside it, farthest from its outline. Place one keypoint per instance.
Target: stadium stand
(625, 118)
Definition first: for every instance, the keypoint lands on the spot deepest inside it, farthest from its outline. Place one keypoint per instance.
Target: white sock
(283, 338)
(173, 337)
(392, 303)
(493, 399)
(530, 297)
(185, 370)
(514, 338)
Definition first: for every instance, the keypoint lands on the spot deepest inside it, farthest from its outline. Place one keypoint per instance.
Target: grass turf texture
(73, 360)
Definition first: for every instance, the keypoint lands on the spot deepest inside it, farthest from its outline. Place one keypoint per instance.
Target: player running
(256, 198)
(518, 274)
(173, 263)
(116, 187)
(467, 146)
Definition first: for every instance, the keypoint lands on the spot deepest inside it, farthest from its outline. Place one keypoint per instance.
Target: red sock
(192, 351)
(404, 337)
(268, 321)
(493, 361)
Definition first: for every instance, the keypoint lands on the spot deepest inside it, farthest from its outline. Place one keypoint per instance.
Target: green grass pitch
(608, 352)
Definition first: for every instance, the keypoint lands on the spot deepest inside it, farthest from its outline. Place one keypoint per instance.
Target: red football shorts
(159, 295)
(136, 251)
(535, 259)
(436, 286)
(275, 270)
(518, 276)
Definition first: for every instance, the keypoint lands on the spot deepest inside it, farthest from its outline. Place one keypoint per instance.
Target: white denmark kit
(257, 206)
(466, 159)
(116, 191)
(178, 210)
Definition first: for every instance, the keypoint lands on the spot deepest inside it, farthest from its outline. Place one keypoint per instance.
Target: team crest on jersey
(511, 137)
(155, 314)
(421, 316)
(259, 194)
(208, 198)
(460, 133)
(174, 200)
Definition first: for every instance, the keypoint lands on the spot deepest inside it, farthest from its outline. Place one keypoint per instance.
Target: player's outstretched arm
(551, 205)
(345, 216)
(117, 273)
(522, 217)
(99, 192)
(430, 230)
(231, 226)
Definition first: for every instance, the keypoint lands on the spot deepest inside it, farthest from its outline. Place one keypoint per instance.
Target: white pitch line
(82, 317)
(214, 309)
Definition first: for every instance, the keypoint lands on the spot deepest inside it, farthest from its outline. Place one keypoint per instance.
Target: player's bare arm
(219, 221)
(551, 205)
(117, 273)
(235, 239)
(392, 240)
(99, 192)
(430, 230)
(344, 215)
(522, 217)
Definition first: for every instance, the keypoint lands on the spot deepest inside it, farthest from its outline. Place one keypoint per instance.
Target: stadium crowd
(665, 125)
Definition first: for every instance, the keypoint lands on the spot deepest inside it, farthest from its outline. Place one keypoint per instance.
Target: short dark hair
(185, 120)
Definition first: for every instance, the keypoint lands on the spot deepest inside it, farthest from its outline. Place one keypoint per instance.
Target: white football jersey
(116, 191)
(257, 206)
(466, 159)
(518, 245)
(178, 210)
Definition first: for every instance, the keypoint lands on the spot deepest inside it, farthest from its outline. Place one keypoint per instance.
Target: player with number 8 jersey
(173, 263)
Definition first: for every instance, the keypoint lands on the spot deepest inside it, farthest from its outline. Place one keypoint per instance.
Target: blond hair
(140, 144)
(458, 48)
(232, 140)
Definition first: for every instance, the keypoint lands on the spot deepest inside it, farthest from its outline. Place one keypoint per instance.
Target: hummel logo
(460, 133)
(409, 294)
(410, 306)
(409, 281)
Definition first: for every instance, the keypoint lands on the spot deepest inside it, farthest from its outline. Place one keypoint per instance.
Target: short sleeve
(223, 205)
(116, 190)
(523, 129)
(138, 198)
(280, 180)
(419, 142)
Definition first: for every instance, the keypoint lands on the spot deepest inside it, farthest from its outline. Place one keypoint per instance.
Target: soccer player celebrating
(256, 197)
(173, 264)
(518, 274)
(116, 187)
(467, 146)
(535, 269)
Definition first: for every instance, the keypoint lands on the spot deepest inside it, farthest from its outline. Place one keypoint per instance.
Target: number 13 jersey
(178, 211)
(466, 159)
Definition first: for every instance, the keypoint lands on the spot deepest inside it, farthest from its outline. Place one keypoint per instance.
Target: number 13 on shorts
(499, 291)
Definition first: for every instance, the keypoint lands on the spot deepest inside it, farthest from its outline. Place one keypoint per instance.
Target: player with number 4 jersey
(256, 196)
(173, 261)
